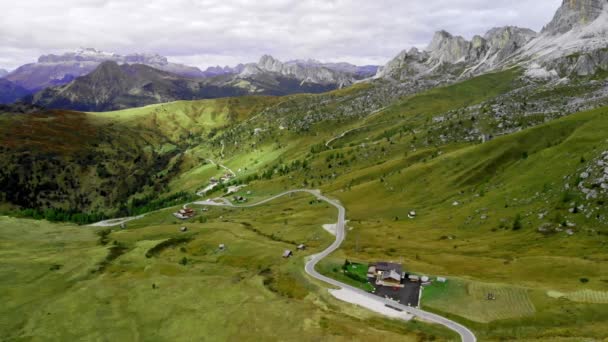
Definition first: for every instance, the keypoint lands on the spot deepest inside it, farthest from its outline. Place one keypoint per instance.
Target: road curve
(466, 335)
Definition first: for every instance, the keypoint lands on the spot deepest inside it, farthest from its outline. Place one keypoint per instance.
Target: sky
(227, 32)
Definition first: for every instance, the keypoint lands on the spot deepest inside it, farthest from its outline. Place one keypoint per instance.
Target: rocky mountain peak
(446, 48)
(269, 63)
(574, 13)
(480, 54)
(505, 41)
(439, 40)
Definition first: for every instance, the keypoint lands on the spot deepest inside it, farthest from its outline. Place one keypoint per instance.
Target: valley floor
(153, 282)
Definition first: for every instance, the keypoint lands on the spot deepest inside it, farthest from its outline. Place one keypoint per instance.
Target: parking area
(408, 295)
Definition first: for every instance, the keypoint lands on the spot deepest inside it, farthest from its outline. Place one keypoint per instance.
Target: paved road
(116, 221)
(465, 334)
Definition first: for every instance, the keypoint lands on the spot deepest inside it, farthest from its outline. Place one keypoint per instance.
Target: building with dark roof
(386, 274)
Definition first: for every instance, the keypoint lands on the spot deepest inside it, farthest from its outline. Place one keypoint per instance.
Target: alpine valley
(148, 200)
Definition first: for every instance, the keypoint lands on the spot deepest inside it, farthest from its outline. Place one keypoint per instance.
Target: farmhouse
(386, 274)
(226, 177)
(184, 214)
(239, 199)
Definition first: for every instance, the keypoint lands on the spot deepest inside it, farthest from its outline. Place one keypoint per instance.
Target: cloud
(209, 32)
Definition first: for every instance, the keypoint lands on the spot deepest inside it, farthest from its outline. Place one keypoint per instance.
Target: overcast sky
(211, 32)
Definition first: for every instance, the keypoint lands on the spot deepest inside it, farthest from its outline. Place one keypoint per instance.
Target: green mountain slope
(89, 162)
(507, 181)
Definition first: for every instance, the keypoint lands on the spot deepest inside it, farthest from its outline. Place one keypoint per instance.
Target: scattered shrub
(517, 225)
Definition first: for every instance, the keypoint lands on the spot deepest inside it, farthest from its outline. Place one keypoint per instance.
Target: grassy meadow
(478, 210)
(152, 282)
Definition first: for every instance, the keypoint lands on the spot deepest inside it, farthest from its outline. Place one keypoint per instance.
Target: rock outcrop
(574, 42)
(574, 13)
(582, 64)
(407, 64)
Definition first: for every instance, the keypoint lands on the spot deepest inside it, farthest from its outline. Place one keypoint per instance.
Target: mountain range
(112, 86)
(57, 80)
(53, 70)
(574, 42)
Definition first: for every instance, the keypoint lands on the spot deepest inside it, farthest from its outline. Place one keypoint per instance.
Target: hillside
(490, 216)
(10, 92)
(150, 205)
(88, 162)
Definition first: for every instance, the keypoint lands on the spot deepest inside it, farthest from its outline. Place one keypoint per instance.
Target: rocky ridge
(310, 73)
(574, 43)
(463, 57)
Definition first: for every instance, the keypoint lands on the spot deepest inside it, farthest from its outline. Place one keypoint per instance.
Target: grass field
(152, 282)
(582, 296)
(469, 300)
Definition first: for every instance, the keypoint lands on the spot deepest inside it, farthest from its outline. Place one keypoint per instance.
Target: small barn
(184, 214)
(287, 253)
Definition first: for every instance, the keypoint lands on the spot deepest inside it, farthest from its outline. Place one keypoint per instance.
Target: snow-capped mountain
(51, 70)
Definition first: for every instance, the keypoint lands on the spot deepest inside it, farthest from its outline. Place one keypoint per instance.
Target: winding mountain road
(465, 334)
